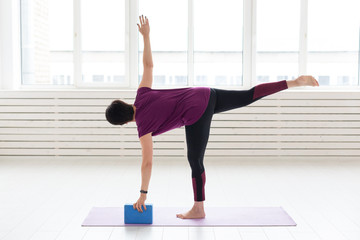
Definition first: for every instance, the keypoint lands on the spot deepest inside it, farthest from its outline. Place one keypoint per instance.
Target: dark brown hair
(119, 112)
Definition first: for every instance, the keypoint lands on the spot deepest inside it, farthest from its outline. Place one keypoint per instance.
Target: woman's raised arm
(144, 29)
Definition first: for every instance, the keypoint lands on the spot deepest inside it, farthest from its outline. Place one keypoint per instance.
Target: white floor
(49, 199)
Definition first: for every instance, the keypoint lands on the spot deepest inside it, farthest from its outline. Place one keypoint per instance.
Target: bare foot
(307, 81)
(197, 211)
(191, 214)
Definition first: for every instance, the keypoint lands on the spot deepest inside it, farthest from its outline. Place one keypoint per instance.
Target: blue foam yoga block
(132, 216)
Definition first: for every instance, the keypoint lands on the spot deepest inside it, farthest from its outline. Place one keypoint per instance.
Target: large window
(84, 43)
(169, 40)
(47, 42)
(277, 40)
(218, 42)
(102, 41)
(333, 45)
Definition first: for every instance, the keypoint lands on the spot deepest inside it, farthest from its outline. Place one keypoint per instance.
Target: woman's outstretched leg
(231, 99)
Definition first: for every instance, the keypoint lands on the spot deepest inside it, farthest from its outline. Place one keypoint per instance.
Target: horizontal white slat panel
(287, 124)
(162, 137)
(283, 145)
(160, 159)
(265, 102)
(90, 145)
(99, 152)
(290, 131)
(28, 102)
(89, 138)
(293, 138)
(284, 116)
(318, 110)
(247, 110)
(61, 102)
(72, 124)
(91, 102)
(174, 152)
(50, 116)
(306, 103)
(313, 94)
(84, 131)
(296, 110)
(51, 109)
(283, 131)
(27, 116)
(66, 123)
(248, 131)
(216, 125)
(180, 144)
(306, 93)
(68, 94)
(297, 152)
(242, 116)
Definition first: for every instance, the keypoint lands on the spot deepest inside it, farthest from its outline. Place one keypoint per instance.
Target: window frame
(11, 70)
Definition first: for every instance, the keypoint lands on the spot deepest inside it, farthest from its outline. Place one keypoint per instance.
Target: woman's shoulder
(142, 89)
(140, 96)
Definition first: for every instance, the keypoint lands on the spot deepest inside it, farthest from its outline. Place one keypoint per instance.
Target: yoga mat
(215, 216)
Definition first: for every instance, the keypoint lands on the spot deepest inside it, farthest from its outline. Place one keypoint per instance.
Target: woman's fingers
(138, 26)
(137, 206)
(143, 20)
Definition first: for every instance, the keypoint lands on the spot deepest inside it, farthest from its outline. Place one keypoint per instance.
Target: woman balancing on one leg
(157, 111)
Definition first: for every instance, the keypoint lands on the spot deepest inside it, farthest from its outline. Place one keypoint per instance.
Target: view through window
(333, 45)
(218, 42)
(103, 41)
(47, 42)
(277, 40)
(168, 39)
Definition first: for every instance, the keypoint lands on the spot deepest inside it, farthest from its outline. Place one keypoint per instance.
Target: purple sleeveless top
(160, 110)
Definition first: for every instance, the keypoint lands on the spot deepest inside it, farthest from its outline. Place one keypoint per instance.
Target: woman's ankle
(199, 204)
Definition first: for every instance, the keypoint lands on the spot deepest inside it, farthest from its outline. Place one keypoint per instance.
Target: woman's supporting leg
(197, 136)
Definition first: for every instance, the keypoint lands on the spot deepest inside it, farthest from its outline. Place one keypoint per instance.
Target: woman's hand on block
(140, 202)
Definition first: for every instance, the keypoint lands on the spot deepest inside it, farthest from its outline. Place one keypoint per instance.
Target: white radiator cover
(71, 124)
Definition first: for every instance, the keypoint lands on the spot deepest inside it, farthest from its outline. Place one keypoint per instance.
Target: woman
(158, 111)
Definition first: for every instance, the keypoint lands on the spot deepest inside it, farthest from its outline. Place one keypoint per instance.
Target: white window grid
(11, 77)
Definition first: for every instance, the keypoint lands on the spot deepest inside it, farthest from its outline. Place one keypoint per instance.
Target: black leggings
(197, 134)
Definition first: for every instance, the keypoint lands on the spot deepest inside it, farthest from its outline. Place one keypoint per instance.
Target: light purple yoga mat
(215, 216)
